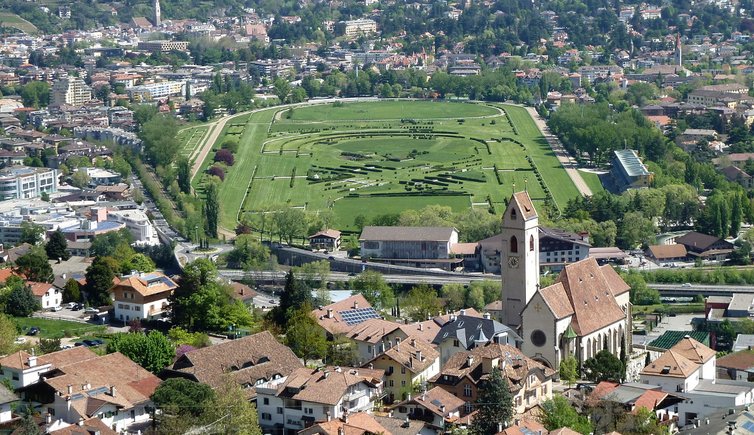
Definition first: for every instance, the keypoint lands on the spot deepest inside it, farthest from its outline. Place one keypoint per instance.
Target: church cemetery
(379, 157)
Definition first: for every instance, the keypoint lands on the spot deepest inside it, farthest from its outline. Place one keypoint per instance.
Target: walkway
(569, 164)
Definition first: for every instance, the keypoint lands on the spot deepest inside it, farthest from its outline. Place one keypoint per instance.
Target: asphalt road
(279, 276)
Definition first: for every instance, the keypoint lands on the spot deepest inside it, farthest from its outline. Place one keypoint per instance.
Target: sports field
(372, 158)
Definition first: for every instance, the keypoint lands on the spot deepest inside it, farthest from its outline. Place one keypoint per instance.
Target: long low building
(418, 246)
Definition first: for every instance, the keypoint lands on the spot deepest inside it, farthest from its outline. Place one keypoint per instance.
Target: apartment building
(71, 91)
(22, 182)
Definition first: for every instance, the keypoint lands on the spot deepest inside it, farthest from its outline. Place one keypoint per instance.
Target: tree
(422, 302)
(294, 295)
(374, 288)
(8, 334)
(558, 413)
(304, 336)
(569, 370)
(314, 274)
(224, 156)
(48, 345)
(159, 136)
(177, 396)
(80, 179)
(36, 94)
(494, 405)
(282, 88)
(184, 174)
(231, 411)
(57, 246)
(248, 254)
(139, 263)
(28, 426)
(342, 352)
(454, 295)
(642, 421)
(35, 266)
(290, 223)
(604, 367)
(105, 245)
(99, 279)
(21, 302)
(152, 351)
(640, 293)
(231, 145)
(31, 233)
(212, 208)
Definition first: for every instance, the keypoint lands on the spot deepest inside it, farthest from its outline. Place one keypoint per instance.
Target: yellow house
(410, 362)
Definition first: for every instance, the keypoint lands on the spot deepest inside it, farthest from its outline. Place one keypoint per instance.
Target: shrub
(230, 145)
(224, 156)
(217, 171)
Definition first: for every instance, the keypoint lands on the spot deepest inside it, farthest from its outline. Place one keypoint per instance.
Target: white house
(308, 395)
(48, 295)
(142, 296)
(437, 407)
(138, 223)
(689, 368)
(23, 369)
(7, 398)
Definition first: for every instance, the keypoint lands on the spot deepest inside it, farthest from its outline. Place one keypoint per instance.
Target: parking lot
(67, 314)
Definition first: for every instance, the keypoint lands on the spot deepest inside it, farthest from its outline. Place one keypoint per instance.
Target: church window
(513, 214)
(531, 243)
(514, 244)
(538, 338)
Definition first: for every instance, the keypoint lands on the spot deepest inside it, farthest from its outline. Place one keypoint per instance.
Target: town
(376, 217)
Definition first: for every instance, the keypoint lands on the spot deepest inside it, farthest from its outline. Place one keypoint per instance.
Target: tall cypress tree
(212, 208)
(495, 405)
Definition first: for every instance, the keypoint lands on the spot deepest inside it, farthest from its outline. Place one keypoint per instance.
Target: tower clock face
(513, 262)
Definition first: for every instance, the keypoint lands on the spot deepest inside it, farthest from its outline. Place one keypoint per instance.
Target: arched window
(513, 214)
(531, 243)
(514, 244)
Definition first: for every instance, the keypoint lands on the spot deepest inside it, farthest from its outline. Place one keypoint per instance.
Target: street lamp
(196, 230)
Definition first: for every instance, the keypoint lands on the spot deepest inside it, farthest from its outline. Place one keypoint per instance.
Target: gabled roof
(412, 234)
(524, 205)
(662, 252)
(359, 423)
(437, 401)
(246, 359)
(671, 364)
(373, 330)
(557, 300)
(147, 284)
(591, 289)
(335, 324)
(333, 234)
(562, 235)
(699, 241)
(734, 173)
(668, 339)
(39, 289)
(87, 427)
(327, 385)
(741, 360)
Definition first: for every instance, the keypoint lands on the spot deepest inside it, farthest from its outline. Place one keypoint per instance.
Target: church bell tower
(519, 257)
(157, 14)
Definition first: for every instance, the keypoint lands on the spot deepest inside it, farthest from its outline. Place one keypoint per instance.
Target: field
(189, 139)
(8, 19)
(50, 328)
(593, 181)
(372, 158)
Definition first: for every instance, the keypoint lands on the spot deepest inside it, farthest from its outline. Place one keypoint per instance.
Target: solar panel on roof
(749, 426)
(358, 315)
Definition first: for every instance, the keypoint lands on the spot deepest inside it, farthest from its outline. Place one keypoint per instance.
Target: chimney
(442, 409)
(499, 427)
(338, 369)
(463, 311)
(419, 355)
(65, 276)
(487, 316)
(452, 317)
(113, 392)
(413, 342)
(371, 366)
(341, 430)
(329, 313)
(327, 374)
(355, 305)
(81, 421)
(469, 360)
(328, 416)
(70, 389)
(48, 418)
(32, 360)
(421, 326)
(397, 341)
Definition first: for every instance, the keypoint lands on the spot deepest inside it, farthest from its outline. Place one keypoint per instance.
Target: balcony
(358, 394)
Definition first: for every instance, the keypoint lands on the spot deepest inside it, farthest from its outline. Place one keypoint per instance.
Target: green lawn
(395, 109)
(592, 180)
(8, 19)
(398, 148)
(49, 328)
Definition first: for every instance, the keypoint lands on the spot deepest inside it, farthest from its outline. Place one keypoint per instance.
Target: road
(279, 276)
(703, 289)
(569, 164)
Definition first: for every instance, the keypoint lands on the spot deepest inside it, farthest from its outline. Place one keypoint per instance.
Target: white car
(58, 308)
(20, 340)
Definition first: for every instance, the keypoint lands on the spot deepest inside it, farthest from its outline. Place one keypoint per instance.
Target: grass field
(8, 19)
(49, 328)
(189, 139)
(593, 181)
(384, 157)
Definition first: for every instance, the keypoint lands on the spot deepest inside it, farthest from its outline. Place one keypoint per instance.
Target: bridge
(691, 290)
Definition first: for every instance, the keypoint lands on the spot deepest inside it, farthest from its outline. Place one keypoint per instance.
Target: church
(585, 311)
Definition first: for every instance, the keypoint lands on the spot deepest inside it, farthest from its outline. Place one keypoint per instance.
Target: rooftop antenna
(514, 187)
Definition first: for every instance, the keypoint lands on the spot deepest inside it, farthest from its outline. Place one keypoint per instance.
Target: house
(46, 294)
(495, 309)
(463, 333)
(738, 366)
(408, 363)
(250, 361)
(663, 254)
(91, 426)
(396, 426)
(360, 423)
(436, 407)
(735, 174)
(7, 399)
(142, 296)
(328, 240)
(307, 395)
(339, 317)
(689, 368)
(704, 246)
(112, 388)
(634, 396)
(410, 246)
(23, 369)
(374, 336)
(530, 382)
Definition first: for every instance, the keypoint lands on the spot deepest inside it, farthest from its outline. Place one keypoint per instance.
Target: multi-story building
(153, 91)
(7, 399)
(23, 369)
(271, 68)
(23, 182)
(46, 294)
(142, 296)
(163, 46)
(71, 91)
(409, 363)
(430, 246)
(294, 402)
(352, 28)
(437, 407)
(530, 382)
(138, 223)
(463, 333)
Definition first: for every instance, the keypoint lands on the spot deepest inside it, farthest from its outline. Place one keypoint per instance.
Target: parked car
(19, 340)
(93, 343)
(58, 308)
(76, 307)
(33, 331)
(91, 310)
(72, 305)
